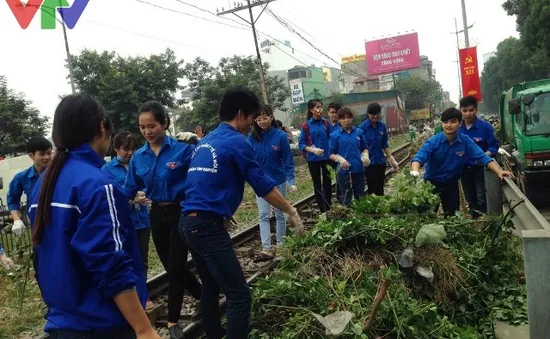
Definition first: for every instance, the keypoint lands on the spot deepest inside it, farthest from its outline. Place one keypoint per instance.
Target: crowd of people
(92, 221)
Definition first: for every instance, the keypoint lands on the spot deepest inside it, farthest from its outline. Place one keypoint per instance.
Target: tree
(316, 94)
(123, 84)
(533, 22)
(20, 121)
(208, 83)
(419, 92)
(512, 64)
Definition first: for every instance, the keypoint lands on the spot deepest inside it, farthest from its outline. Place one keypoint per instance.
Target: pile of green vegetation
(436, 278)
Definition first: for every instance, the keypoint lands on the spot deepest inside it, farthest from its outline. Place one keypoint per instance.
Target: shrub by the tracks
(449, 278)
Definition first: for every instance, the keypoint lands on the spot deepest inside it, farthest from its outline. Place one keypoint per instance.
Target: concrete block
(506, 331)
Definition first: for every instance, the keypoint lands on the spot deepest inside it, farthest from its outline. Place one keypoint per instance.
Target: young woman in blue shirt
(273, 153)
(314, 136)
(90, 273)
(160, 167)
(125, 145)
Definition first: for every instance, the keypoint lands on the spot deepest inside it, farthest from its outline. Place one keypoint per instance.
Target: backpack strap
(305, 128)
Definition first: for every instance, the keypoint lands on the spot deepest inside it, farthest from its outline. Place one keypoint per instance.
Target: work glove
(317, 151)
(18, 228)
(365, 159)
(415, 174)
(6, 262)
(296, 222)
(187, 137)
(343, 162)
(293, 188)
(393, 163)
(502, 151)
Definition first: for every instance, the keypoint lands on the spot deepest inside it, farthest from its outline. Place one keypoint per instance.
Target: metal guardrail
(535, 233)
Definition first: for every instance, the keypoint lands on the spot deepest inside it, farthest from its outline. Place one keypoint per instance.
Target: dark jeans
(323, 191)
(375, 176)
(143, 236)
(351, 183)
(339, 191)
(450, 198)
(473, 183)
(126, 333)
(172, 252)
(218, 268)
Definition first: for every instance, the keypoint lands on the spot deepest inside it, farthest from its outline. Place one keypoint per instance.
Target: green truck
(525, 124)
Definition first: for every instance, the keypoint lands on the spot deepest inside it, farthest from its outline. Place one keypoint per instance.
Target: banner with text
(392, 54)
(470, 72)
(297, 91)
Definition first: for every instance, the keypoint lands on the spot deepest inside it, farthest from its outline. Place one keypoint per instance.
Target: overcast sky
(33, 59)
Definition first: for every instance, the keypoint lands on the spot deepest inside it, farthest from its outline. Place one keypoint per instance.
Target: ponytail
(43, 210)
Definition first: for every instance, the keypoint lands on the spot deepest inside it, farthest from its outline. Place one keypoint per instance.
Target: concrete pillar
(493, 193)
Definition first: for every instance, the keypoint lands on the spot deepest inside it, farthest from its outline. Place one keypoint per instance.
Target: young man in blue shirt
(445, 154)
(483, 134)
(39, 150)
(220, 165)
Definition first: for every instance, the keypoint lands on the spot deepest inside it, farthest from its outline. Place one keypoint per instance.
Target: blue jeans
(473, 183)
(218, 268)
(351, 183)
(265, 226)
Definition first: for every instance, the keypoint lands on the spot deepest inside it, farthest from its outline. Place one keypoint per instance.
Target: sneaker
(265, 255)
(176, 332)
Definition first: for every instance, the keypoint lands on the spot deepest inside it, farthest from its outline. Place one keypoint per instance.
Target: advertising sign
(297, 91)
(470, 72)
(353, 58)
(393, 54)
(419, 114)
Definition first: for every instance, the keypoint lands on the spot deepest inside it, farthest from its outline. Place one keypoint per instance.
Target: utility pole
(69, 62)
(465, 23)
(456, 33)
(252, 23)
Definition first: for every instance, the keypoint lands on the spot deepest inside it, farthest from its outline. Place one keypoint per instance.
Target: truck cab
(525, 116)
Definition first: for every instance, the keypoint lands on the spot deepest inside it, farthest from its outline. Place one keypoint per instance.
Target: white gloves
(18, 228)
(296, 221)
(502, 151)
(141, 199)
(415, 174)
(293, 188)
(6, 262)
(365, 159)
(393, 163)
(343, 162)
(317, 151)
(186, 136)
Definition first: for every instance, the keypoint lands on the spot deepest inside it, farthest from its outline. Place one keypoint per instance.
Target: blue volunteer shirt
(483, 134)
(319, 137)
(138, 213)
(23, 182)
(1, 249)
(349, 145)
(274, 155)
(336, 127)
(163, 176)
(444, 161)
(220, 165)
(89, 251)
(376, 138)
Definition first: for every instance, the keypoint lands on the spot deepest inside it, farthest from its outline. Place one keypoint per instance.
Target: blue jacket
(319, 137)
(335, 127)
(1, 249)
(444, 161)
(164, 175)
(484, 136)
(376, 139)
(273, 154)
(349, 146)
(220, 165)
(89, 251)
(23, 182)
(138, 213)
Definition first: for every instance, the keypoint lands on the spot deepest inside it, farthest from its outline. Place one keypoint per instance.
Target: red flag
(470, 72)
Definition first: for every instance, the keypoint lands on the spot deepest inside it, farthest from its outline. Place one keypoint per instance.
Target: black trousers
(172, 252)
(143, 236)
(473, 183)
(322, 189)
(449, 195)
(375, 175)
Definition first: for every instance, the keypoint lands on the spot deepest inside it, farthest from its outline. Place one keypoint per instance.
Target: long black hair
(310, 105)
(256, 129)
(76, 121)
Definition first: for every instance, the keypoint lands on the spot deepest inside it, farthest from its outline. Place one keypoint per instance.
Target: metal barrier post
(493, 193)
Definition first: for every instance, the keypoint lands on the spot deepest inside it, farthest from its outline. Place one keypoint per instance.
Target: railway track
(247, 244)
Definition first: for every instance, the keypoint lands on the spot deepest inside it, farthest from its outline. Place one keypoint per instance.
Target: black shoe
(176, 332)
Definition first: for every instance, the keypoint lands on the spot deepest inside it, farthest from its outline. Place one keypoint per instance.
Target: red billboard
(393, 54)
(470, 72)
